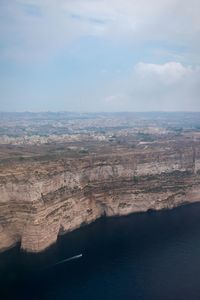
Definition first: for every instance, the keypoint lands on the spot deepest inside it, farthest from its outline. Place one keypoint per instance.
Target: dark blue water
(143, 256)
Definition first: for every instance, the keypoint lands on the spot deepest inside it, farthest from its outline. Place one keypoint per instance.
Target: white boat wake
(68, 259)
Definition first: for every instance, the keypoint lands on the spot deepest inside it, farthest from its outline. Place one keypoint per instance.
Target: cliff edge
(46, 196)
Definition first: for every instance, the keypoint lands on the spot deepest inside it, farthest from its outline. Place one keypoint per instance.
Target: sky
(99, 55)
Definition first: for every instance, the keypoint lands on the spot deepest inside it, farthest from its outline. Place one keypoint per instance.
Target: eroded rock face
(44, 198)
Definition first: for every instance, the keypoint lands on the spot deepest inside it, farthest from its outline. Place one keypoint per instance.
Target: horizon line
(99, 112)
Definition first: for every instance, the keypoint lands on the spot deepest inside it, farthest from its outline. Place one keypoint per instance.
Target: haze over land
(99, 55)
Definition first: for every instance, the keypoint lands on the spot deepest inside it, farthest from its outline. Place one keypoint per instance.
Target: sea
(146, 256)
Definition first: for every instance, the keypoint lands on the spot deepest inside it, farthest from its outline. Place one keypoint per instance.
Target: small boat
(68, 259)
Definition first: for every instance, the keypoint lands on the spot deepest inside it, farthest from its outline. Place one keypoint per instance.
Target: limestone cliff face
(42, 199)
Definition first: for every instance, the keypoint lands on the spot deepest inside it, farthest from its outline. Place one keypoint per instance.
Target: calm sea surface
(143, 256)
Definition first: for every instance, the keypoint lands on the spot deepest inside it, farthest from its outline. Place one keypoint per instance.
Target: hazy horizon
(99, 56)
(104, 112)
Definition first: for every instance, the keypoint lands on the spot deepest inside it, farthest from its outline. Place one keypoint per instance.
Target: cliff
(44, 197)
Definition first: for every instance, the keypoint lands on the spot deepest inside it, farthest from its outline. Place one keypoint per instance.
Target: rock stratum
(43, 197)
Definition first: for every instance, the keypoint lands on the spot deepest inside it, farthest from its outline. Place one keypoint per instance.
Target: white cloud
(170, 86)
(116, 102)
(34, 31)
(35, 27)
(168, 73)
(116, 99)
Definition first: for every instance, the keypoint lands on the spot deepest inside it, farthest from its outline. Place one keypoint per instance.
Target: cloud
(169, 86)
(168, 73)
(118, 101)
(82, 50)
(33, 28)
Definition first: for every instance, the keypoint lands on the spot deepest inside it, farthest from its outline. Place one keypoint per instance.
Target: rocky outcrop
(41, 199)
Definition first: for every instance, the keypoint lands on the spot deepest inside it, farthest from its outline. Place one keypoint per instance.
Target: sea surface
(153, 255)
